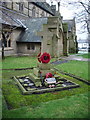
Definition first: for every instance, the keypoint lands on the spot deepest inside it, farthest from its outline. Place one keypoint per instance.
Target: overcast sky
(68, 13)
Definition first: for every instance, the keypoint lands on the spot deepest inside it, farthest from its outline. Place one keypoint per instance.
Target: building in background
(13, 17)
(83, 45)
(22, 20)
(72, 38)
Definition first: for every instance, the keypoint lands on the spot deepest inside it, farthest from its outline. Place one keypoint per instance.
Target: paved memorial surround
(31, 87)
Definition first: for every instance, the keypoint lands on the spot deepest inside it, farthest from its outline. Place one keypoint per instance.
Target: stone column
(46, 45)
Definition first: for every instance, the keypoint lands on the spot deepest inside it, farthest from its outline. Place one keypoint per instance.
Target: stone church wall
(26, 48)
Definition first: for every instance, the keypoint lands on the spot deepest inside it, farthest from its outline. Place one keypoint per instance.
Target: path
(65, 59)
(59, 62)
(75, 57)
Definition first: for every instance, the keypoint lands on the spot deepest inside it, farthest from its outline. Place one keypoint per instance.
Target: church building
(28, 28)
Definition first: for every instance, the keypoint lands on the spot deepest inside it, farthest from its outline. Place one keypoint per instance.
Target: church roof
(33, 26)
(45, 6)
(11, 17)
(7, 20)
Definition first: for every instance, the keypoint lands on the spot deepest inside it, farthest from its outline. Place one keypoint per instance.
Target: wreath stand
(43, 69)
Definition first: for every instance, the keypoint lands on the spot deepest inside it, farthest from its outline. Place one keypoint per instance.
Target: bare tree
(82, 14)
(81, 10)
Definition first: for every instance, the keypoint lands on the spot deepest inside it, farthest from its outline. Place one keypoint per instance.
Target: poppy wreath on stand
(45, 57)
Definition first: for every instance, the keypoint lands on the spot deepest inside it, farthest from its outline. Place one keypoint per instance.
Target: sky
(68, 13)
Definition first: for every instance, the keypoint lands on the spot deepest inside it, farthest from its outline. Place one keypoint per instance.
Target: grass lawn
(20, 62)
(63, 104)
(85, 55)
(68, 107)
(78, 68)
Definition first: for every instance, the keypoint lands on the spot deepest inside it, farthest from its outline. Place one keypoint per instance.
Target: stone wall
(12, 50)
(72, 43)
(27, 9)
(72, 38)
(65, 39)
(15, 36)
(8, 51)
(23, 48)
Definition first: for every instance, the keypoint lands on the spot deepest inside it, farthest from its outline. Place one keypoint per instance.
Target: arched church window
(6, 39)
(21, 7)
(4, 4)
(9, 43)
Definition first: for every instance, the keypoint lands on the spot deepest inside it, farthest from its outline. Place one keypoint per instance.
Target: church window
(6, 37)
(42, 13)
(31, 46)
(33, 11)
(4, 4)
(21, 6)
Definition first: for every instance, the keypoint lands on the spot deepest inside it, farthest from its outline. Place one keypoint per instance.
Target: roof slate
(34, 25)
(9, 17)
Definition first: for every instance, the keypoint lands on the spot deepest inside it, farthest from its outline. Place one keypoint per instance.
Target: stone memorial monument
(44, 71)
(43, 78)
